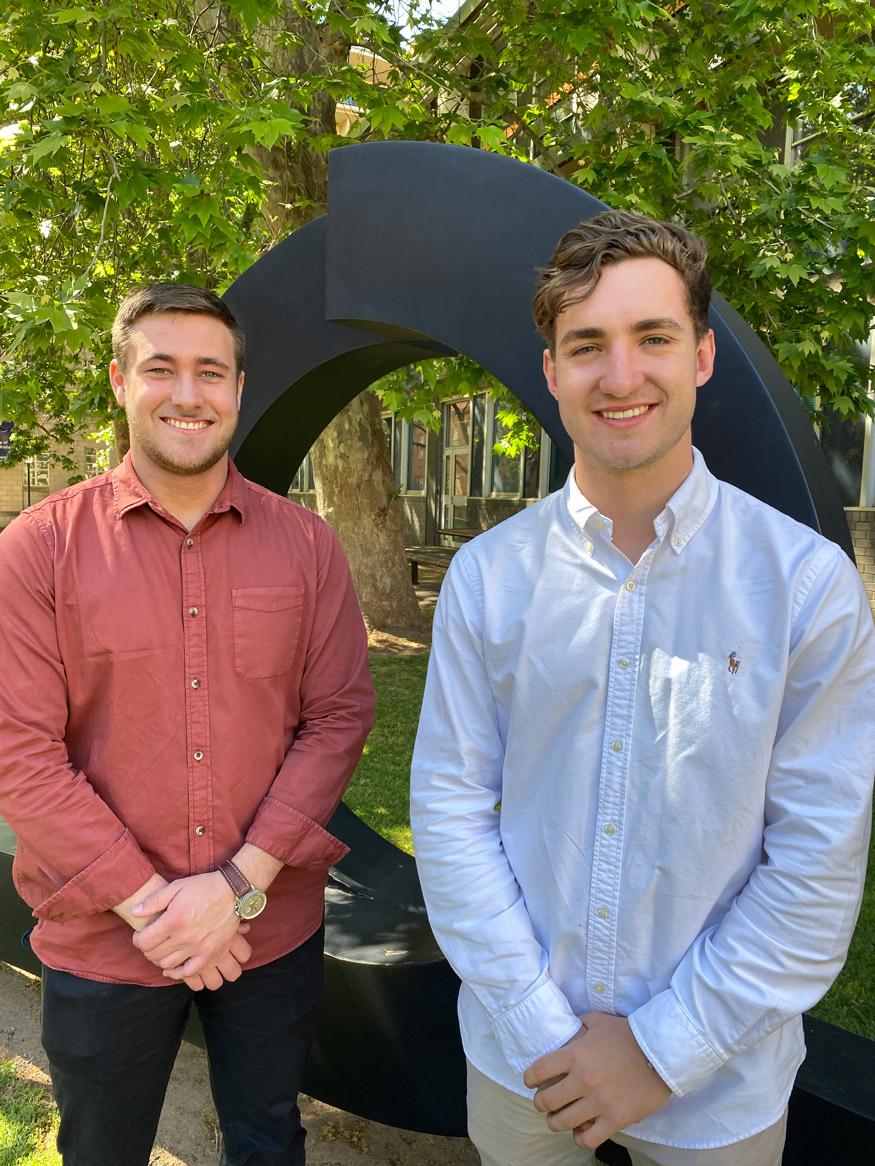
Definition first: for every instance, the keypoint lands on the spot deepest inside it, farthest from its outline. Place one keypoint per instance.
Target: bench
(428, 556)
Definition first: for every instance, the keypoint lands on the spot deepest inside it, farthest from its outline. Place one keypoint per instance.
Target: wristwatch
(249, 900)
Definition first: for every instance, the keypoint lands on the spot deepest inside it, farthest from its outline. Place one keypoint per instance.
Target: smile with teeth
(186, 423)
(624, 414)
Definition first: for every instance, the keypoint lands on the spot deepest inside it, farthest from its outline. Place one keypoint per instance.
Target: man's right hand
(227, 965)
(193, 928)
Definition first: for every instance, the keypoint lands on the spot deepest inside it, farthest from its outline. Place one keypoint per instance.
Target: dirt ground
(187, 1133)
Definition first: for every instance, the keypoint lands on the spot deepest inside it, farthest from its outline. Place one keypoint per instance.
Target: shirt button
(609, 829)
(189, 542)
(198, 755)
(602, 912)
(677, 542)
(588, 548)
(192, 611)
(599, 987)
(630, 586)
(199, 830)
(617, 746)
(195, 683)
(624, 663)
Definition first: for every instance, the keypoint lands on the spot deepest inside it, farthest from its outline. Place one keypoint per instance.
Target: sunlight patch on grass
(380, 789)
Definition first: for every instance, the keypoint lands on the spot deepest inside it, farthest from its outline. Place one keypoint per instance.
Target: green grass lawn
(28, 1121)
(379, 795)
(380, 790)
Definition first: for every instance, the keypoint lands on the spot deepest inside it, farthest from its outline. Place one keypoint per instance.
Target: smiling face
(181, 392)
(626, 368)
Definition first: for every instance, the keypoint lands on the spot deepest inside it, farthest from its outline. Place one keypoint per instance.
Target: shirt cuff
(674, 1046)
(293, 838)
(544, 1021)
(108, 880)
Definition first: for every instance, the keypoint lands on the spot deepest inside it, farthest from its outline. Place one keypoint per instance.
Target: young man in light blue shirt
(642, 781)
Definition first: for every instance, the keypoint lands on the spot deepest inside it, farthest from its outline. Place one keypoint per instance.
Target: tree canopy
(144, 139)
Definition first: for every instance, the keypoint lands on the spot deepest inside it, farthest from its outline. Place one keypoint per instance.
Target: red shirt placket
(197, 711)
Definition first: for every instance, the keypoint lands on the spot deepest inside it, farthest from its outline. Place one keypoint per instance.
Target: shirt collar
(684, 513)
(689, 506)
(129, 493)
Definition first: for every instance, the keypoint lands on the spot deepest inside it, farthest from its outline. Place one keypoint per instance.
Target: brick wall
(12, 497)
(14, 494)
(861, 521)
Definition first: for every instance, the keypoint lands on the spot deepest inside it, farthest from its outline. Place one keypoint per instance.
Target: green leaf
(75, 16)
(47, 146)
(460, 135)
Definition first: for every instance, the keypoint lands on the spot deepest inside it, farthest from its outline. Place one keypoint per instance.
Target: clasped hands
(597, 1083)
(189, 929)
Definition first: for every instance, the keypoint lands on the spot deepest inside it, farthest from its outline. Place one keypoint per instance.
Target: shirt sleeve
(785, 938)
(90, 858)
(337, 712)
(475, 905)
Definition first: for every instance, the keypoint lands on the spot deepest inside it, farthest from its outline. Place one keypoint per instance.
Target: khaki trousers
(507, 1130)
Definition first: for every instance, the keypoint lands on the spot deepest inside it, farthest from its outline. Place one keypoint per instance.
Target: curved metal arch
(429, 249)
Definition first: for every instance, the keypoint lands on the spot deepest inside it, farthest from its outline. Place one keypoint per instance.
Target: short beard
(183, 469)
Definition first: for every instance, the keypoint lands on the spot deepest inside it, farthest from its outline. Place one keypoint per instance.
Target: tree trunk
(355, 493)
(354, 487)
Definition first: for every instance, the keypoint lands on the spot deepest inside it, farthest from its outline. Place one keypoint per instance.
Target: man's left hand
(597, 1083)
(195, 928)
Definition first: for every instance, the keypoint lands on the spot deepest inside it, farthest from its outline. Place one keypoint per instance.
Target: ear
(705, 358)
(550, 372)
(117, 381)
(240, 381)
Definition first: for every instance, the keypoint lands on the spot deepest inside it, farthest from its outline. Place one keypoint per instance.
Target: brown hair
(576, 264)
(172, 297)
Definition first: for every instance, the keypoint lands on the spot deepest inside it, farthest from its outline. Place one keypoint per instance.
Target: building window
(478, 445)
(92, 462)
(303, 479)
(458, 423)
(36, 470)
(531, 471)
(416, 440)
(407, 443)
(506, 473)
(393, 428)
(397, 439)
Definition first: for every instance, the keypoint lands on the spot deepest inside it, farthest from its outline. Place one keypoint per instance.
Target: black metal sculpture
(429, 250)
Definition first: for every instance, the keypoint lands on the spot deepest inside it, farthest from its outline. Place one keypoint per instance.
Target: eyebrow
(211, 361)
(654, 324)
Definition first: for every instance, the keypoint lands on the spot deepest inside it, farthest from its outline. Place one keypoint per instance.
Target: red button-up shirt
(166, 695)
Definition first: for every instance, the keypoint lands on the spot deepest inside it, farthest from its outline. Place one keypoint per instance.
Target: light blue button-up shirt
(646, 791)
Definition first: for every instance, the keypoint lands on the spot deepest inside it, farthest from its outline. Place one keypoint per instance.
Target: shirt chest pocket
(267, 625)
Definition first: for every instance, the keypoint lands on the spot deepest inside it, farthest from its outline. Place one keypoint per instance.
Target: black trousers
(111, 1049)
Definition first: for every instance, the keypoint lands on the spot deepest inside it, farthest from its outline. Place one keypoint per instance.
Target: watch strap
(235, 878)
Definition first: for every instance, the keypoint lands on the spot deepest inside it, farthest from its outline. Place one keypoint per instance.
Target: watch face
(251, 904)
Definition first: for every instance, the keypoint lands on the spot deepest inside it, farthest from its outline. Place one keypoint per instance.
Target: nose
(622, 373)
(186, 391)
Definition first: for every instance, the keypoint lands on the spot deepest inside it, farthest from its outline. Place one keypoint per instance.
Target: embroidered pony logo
(733, 663)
